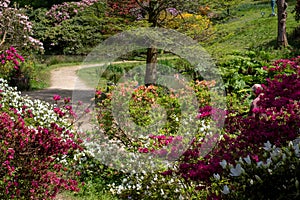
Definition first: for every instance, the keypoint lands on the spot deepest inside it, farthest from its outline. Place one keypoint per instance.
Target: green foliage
(78, 35)
(241, 71)
(96, 178)
(297, 11)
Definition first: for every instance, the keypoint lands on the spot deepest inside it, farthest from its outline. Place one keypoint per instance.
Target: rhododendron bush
(66, 10)
(16, 29)
(37, 147)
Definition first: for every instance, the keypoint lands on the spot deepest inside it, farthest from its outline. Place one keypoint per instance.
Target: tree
(297, 11)
(282, 15)
(151, 11)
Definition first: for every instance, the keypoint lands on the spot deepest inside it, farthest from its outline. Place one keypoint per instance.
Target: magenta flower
(56, 97)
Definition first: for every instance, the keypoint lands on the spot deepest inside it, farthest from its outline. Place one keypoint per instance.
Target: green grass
(247, 30)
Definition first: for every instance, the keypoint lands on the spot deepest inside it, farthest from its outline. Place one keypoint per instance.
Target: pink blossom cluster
(11, 55)
(4, 3)
(31, 154)
(66, 10)
(160, 142)
(65, 109)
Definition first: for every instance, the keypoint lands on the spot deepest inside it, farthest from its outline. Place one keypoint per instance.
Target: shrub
(37, 147)
(275, 121)
(166, 142)
(16, 29)
(15, 69)
(72, 29)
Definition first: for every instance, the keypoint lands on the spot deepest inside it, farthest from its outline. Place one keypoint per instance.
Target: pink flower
(56, 97)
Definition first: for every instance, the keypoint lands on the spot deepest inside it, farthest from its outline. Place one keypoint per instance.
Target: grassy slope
(248, 30)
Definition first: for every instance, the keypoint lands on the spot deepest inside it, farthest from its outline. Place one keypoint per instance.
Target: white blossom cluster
(42, 111)
(275, 158)
(150, 183)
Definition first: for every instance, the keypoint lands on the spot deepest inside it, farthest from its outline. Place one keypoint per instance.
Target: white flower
(223, 164)
(217, 176)
(237, 171)
(225, 190)
(268, 146)
(248, 160)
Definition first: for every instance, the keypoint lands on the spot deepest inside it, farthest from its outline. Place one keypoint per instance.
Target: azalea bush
(15, 69)
(37, 145)
(10, 62)
(239, 160)
(195, 26)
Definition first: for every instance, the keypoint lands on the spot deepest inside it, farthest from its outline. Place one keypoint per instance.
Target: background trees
(39, 4)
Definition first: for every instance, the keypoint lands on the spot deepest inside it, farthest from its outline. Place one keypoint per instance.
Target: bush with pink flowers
(37, 145)
(66, 10)
(16, 29)
(227, 172)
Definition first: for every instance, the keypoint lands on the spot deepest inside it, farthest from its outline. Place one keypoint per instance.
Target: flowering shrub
(16, 29)
(165, 143)
(275, 120)
(10, 61)
(81, 31)
(15, 70)
(37, 146)
(67, 10)
(194, 26)
(275, 176)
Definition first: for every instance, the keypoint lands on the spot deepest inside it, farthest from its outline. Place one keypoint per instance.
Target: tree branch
(3, 38)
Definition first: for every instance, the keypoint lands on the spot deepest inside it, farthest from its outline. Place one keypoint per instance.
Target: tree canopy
(39, 3)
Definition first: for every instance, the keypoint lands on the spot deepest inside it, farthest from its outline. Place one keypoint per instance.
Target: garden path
(65, 82)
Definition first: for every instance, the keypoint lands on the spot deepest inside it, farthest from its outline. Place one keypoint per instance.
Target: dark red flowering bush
(276, 120)
(36, 153)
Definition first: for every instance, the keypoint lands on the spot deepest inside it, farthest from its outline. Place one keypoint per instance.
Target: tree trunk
(150, 77)
(282, 15)
(151, 62)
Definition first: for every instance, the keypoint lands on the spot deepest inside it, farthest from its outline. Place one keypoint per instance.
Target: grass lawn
(247, 29)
